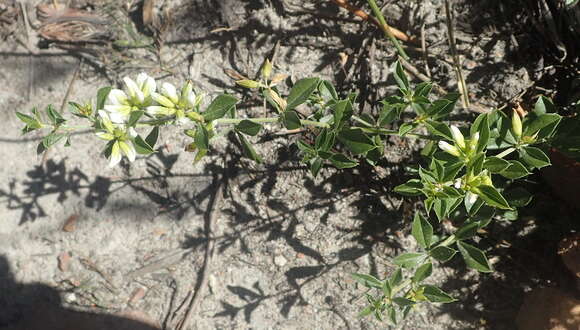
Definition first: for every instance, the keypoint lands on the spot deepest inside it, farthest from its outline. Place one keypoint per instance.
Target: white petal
(105, 136)
(132, 132)
(156, 110)
(169, 91)
(141, 79)
(116, 156)
(191, 99)
(140, 96)
(128, 149)
(132, 87)
(457, 136)
(149, 86)
(164, 101)
(119, 117)
(106, 120)
(117, 97)
(443, 145)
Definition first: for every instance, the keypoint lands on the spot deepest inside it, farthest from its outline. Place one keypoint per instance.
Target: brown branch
(366, 17)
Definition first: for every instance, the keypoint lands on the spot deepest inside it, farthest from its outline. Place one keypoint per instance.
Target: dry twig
(366, 17)
(201, 286)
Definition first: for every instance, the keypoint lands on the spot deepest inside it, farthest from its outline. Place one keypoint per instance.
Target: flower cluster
(140, 97)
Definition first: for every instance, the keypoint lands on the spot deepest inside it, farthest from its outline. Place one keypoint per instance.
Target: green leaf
(342, 111)
(301, 92)
(495, 164)
(396, 278)
(400, 76)
(366, 311)
(305, 147)
(406, 128)
(492, 197)
(466, 231)
(422, 231)
(52, 139)
(248, 127)
(423, 89)
(201, 137)
(28, 120)
(518, 197)
(481, 125)
(341, 161)
(54, 116)
(474, 257)
(142, 147)
(102, 94)
(315, 165)
(356, 141)
(436, 295)
(290, 119)
(219, 107)
(367, 280)
(442, 253)
(439, 129)
(441, 108)
(389, 113)
(534, 157)
(327, 91)
(248, 149)
(409, 260)
(515, 171)
(423, 272)
(411, 188)
(545, 124)
(543, 105)
(152, 137)
(387, 289)
(403, 301)
(324, 141)
(134, 117)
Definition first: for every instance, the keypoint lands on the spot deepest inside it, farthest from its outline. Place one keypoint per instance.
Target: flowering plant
(468, 176)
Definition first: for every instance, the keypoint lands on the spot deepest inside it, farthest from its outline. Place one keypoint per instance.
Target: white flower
(137, 95)
(470, 198)
(169, 103)
(120, 137)
(458, 137)
(448, 148)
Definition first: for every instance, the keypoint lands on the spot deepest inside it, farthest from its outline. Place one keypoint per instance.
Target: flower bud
(194, 116)
(280, 101)
(516, 124)
(266, 69)
(474, 140)
(457, 136)
(448, 148)
(248, 83)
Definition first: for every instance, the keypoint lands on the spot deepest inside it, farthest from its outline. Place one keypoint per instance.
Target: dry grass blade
(451, 36)
(60, 23)
(366, 17)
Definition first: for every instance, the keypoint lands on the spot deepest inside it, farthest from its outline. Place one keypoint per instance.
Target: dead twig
(201, 286)
(366, 17)
(456, 63)
(70, 86)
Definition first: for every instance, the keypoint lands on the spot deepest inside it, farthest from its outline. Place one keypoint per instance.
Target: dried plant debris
(64, 24)
(9, 13)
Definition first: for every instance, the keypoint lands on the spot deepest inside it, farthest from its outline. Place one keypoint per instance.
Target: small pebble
(280, 261)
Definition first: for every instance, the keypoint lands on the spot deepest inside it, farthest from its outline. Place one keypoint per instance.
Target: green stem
(401, 286)
(387, 28)
(505, 152)
(384, 131)
(268, 120)
(362, 121)
(238, 120)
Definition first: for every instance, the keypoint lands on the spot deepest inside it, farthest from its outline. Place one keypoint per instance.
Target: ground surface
(286, 243)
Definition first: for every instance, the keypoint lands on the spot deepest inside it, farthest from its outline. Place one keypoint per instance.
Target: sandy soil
(286, 243)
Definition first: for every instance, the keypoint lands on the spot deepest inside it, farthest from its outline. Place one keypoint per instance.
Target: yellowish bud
(248, 83)
(516, 124)
(266, 69)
